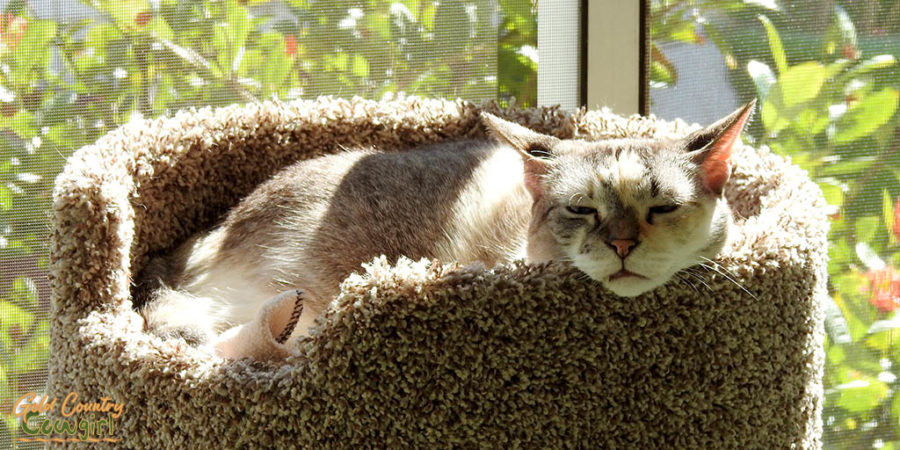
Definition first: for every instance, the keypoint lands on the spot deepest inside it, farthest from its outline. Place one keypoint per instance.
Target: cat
(629, 213)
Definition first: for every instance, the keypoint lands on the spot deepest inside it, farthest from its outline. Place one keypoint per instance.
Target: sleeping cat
(629, 213)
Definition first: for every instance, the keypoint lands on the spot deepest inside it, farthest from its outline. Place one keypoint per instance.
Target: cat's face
(629, 213)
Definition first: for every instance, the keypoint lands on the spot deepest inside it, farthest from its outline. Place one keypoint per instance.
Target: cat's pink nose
(623, 246)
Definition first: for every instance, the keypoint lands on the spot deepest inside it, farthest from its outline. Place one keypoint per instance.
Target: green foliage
(517, 43)
(838, 119)
(64, 84)
(683, 21)
(833, 110)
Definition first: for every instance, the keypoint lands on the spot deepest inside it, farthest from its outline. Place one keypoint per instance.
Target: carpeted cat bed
(424, 355)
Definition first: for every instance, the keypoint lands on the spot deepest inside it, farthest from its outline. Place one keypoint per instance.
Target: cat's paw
(282, 330)
(267, 335)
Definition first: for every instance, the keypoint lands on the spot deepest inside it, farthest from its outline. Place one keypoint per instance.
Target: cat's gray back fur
(316, 221)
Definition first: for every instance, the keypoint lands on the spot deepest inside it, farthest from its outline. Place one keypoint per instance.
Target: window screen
(826, 75)
(71, 71)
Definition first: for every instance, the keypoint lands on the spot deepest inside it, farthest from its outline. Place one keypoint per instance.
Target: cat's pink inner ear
(716, 165)
(534, 170)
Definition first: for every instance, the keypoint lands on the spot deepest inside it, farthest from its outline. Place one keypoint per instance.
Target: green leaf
(840, 255)
(866, 227)
(835, 324)
(337, 62)
(801, 83)
(835, 353)
(847, 166)
(11, 314)
(833, 191)
(895, 409)
(762, 76)
(845, 26)
(659, 74)
(451, 26)
(861, 395)
(874, 63)
(885, 325)
(24, 292)
(159, 29)
(775, 45)
(6, 199)
(125, 11)
(795, 87)
(866, 116)
(276, 65)
(33, 50)
(812, 119)
(238, 25)
(879, 340)
(360, 66)
(887, 213)
(661, 69)
(685, 32)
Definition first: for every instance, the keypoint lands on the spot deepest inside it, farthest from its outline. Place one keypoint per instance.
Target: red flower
(699, 38)
(15, 333)
(12, 28)
(143, 18)
(290, 45)
(896, 229)
(8, 109)
(885, 288)
(849, 51)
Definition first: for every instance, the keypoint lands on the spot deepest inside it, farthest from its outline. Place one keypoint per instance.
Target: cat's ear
(711, 147)
(536, 148)
(529, 143)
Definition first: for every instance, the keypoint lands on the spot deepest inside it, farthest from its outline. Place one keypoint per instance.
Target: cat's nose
(623, 246)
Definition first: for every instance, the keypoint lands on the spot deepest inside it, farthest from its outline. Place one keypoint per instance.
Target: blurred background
(826, 75)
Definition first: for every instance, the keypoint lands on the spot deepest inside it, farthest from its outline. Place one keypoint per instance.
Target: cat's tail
(172, 313)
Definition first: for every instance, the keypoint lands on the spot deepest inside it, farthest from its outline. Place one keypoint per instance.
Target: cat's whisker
(686, 281)
(573, 200)
(727, 277)
(698, 278)
(719, 266)
(583, 277)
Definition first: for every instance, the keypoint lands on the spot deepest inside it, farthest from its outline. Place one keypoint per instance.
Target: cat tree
(423, 355)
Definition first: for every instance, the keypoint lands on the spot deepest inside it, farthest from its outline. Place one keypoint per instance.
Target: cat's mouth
(625, 274)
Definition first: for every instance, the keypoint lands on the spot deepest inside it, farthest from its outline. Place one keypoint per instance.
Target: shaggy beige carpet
(423, 355)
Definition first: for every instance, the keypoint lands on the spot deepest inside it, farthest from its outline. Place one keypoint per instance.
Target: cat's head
(629, 213)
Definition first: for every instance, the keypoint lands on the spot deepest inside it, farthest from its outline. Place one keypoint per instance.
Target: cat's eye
(539, 151)
(663, 209)
(581, 210)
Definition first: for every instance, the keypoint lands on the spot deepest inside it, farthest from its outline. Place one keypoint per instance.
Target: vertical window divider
(615, 56)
